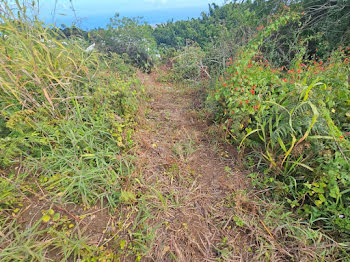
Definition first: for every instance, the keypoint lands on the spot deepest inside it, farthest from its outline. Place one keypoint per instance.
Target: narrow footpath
(193, 177)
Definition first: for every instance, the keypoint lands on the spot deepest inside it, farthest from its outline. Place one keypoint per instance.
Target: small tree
(129, 36)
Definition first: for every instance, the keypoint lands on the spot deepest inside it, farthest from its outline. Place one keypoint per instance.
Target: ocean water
(151, 17)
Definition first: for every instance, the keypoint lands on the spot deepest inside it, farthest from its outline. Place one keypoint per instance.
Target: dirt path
(192, 177)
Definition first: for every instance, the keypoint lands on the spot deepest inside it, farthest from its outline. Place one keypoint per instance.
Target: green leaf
(318, 190)
(290, 149)
(56, 217)
(318, 202)
(122, 244)
(334, 191)
(309, 89)
(282, 144)
(46, 218)
(303, 165)
(250, 133)
(308, 185)
(314, 119)
(322, 198)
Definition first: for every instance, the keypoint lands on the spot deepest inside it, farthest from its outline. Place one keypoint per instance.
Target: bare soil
(180, 157)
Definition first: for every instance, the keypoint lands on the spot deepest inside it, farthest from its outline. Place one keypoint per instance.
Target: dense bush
(129, 38)
(282, 94)
(294, 120)
(187, 64)
(224, 29)
(67, 117)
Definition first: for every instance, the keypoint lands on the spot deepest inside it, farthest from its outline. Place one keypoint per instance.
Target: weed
(66, 122)
(184, 149)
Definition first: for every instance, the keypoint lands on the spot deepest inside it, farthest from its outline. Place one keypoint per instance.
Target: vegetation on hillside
(281, 93)
(272, 75)
(293, 121)
(66, 121)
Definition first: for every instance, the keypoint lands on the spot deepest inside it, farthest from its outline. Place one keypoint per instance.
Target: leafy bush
(224, 29)
(295, 119)
(128, 37)
(187, 64)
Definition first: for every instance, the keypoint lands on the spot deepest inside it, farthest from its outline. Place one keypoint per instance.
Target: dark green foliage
(328, 23)
(220, 32)
(73, 31)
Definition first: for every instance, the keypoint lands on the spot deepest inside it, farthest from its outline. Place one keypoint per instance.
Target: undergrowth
(68, 113)
(292, 124)
(66, 121)
(272, 233)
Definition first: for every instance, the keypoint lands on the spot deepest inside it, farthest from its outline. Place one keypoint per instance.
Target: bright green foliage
(66, 120)
(66, 114)
(295, 118)
(31, 244)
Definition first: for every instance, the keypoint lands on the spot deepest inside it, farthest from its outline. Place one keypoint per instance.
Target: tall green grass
(64, 111)
(66, 119)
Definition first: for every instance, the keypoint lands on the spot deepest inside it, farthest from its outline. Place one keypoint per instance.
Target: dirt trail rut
(192, 176)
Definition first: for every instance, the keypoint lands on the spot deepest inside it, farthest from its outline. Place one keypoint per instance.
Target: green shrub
(127, 37)
(296, 120)
(187, 64)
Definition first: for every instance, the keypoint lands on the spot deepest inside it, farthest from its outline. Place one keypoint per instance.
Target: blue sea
(151, 17)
